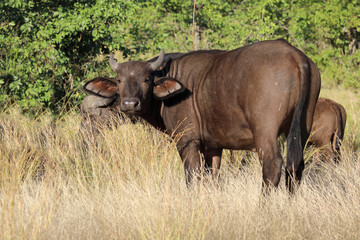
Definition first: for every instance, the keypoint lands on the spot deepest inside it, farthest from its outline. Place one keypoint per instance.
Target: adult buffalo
(99, 112)
(328, 128)
(211, 100)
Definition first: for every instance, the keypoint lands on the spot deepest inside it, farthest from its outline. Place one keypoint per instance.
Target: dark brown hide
(240, 99)
(328, 128)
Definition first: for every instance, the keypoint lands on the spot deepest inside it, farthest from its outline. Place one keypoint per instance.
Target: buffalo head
(136, 83)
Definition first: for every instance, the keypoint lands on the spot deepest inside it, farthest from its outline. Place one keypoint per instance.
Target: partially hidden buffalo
(327, 131)
(98, 112)
(328, 128)
(211, 100)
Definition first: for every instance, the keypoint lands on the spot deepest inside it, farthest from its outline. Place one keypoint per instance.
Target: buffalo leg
(271, 159)
(336, 151)
(212, 162)
(232, 157)
(328, 153)
(190, 156)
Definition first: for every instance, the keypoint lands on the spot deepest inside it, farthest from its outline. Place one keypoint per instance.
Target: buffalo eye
(118, 80)
(147, 79)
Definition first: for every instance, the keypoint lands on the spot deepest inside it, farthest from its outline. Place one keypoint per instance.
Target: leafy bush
(49, 48)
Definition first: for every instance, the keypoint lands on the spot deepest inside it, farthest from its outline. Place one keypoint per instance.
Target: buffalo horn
(113, 63)
(155, 65)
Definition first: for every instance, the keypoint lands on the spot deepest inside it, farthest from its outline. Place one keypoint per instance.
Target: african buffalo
(97, 112)
(214, 99)
(327, 131)
(328, 128)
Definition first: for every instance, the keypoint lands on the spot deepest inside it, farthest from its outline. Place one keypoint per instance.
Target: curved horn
(155, 65)
(113, 63)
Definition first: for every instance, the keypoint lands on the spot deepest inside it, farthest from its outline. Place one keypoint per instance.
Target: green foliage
(48, 49)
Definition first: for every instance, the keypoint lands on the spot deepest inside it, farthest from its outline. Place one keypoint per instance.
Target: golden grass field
(56, 183)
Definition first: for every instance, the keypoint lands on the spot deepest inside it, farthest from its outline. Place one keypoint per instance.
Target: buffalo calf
(98, 113)
(328, 128)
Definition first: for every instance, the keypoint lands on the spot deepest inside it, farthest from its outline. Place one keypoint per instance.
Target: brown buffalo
(239, 99)
(327, 131)
(328, 128)
(98, 112)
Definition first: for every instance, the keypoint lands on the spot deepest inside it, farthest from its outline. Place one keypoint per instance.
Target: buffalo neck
(153, 115)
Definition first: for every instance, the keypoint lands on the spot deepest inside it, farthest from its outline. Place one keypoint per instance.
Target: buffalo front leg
(190, 156)
(212, 162)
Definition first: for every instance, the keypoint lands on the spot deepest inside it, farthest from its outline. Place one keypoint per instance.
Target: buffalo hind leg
(336, 146)
(212, 162)
(271, 159)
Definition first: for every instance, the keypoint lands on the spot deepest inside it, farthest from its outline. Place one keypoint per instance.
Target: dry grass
(129, 184)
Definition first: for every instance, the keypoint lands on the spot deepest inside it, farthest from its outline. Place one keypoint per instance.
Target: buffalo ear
(167, 87)
(103, 87)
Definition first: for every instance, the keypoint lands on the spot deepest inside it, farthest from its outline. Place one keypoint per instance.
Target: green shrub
(48, 49)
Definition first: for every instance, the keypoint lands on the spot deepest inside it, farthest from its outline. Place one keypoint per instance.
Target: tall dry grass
(59, 183)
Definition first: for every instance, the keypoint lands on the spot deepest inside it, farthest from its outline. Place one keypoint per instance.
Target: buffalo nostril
(130, 104)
